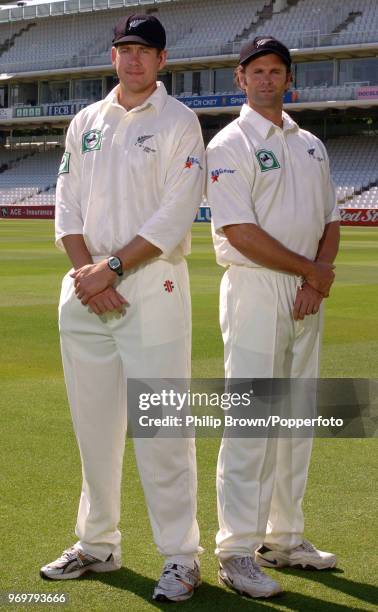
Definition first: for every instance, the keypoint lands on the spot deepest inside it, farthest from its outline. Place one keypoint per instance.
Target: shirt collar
(288, 122)
(263, 126)
(157, 99)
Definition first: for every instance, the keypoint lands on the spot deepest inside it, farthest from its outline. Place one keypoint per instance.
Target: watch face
(114, 263)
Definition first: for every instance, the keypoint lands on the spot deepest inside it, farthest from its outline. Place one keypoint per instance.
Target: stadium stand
(366, 21)
(70, 42)
(324, 23)
(354, 166)
(87, 36)
(31, 180)
(194, 28)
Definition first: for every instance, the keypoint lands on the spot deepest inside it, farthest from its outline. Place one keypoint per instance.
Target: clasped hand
(93, 287)
(307, 302)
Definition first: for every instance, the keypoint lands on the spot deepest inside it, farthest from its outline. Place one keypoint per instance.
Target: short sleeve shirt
(131, 172)
(278, 179)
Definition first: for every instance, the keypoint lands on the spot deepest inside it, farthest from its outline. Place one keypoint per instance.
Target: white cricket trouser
(152, 340)
(261, 482)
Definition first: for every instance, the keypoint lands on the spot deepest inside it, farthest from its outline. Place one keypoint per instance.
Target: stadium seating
(353, 160)
(31, 180)
(366, 23)
(312, 23)
(85, 39)
(194, 28)
(354, 166)
(322, 94)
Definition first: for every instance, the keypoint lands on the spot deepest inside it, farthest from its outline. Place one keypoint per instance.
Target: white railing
(68, 7)
(44, 142)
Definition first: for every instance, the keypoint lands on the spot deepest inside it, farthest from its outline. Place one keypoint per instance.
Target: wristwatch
(115, 264)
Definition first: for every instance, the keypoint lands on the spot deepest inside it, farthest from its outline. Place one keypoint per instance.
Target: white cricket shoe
(304, 556)
(177, 582)
(243, 575)
(74, 563)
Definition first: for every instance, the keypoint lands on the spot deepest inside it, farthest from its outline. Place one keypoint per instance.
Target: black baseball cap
(262, 45)
(142, 29)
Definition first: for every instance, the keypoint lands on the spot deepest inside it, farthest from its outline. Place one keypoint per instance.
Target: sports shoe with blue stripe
(74, 563)
(177, 582)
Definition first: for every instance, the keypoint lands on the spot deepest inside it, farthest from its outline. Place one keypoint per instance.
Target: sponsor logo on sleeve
(267, 160)
(64, 167)
(192, 161)
(311, 153)
(215, 174)
(91, 141)
(140, 143)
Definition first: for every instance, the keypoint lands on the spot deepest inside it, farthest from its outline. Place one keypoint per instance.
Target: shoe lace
(173, 567)
(69, 554)
(306, 545)
(249, 567)
(179, 571)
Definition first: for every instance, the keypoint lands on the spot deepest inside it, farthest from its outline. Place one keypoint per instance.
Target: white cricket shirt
(131, 172)
(277, 178)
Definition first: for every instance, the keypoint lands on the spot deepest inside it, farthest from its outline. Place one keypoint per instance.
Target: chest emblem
(140, 142)
(91, 141)
(312, 154)
(267, 160)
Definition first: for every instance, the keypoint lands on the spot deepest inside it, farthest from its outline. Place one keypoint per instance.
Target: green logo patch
(267, 160)
(64, 167)
(91, 141)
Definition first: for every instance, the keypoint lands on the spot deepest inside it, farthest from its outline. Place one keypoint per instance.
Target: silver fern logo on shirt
(91, 141)
(140, 143)
(312, 154)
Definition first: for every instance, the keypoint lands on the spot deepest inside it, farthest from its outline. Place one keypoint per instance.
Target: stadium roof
(7, 4)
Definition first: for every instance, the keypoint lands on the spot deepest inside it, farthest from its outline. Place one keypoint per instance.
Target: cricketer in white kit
(129, 185)
(276, 228)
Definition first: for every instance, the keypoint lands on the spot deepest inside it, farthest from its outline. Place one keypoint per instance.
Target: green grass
(40, 466)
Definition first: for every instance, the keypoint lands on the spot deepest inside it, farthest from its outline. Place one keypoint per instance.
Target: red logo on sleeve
(168, 286)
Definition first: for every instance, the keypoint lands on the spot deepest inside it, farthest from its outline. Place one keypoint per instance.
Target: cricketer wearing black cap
(263, 45)
(143, 29)
(267, 183)
(257, 75)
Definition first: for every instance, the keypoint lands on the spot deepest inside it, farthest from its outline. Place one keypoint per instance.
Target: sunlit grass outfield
(40, 467)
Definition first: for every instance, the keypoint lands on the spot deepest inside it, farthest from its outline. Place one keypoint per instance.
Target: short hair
(237, 72)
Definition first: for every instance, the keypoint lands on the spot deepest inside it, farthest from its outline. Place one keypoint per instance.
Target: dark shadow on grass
(334, 579)
(209, 597)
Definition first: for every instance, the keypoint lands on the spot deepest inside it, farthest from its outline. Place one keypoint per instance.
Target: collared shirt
(131, 172)
(278, 179)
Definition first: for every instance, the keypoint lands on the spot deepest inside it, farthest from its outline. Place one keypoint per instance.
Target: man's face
(265, 80)
(137, 66)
